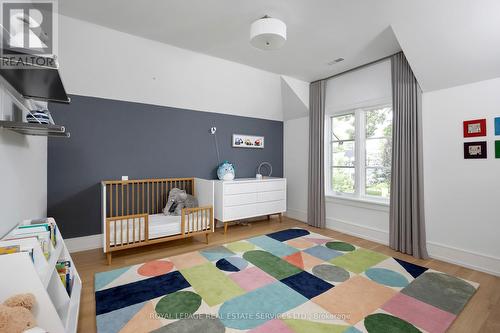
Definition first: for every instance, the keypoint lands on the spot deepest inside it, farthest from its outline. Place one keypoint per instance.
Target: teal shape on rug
(387, 277)
(273, 246)
(114, 321)
(216, 253)
(102, 279)
(259, 306)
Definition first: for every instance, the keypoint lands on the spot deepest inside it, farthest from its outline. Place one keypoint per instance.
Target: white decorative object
(258, 176)
(248, 141)
(249, 197)
(55, 311)
(268, 33)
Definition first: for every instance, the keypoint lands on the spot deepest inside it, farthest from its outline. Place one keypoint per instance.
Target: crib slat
(110, 188)
(116, 200)
(114, 225)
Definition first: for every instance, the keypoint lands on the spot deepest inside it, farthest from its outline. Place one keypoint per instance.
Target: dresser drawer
(271, 196)
(240, 188)
(252, 210)
(271, 186)
(240, 199)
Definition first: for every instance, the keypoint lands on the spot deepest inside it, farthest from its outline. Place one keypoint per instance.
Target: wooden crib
(132, 212)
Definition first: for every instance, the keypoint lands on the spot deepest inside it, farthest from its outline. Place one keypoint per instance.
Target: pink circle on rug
(155, 268)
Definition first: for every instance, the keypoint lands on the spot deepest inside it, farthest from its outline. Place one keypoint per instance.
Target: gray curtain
(407, 222)
(316, 176)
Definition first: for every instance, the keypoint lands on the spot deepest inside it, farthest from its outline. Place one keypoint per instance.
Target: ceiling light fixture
(268, 33)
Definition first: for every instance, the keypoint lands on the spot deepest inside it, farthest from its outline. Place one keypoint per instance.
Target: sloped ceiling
(447, 42)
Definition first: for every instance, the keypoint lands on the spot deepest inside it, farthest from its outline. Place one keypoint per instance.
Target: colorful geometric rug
(290, 281)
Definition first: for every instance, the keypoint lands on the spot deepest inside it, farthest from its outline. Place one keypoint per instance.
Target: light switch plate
(124, 177)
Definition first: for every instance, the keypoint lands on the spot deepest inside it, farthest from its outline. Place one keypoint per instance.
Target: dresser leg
(268, 217)
(280, 216)
(206, 237)
(225, 227)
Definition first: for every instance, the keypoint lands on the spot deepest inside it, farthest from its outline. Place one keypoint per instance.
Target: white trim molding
(473, 260)
(297, 215)
(358, 230)
(85, 243)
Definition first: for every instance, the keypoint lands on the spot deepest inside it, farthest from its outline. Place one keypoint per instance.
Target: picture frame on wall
(248, 141)
(497, 126)
(473, 128)
(475, 150)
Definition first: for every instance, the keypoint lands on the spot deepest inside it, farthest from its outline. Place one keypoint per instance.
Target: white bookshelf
(55, 310)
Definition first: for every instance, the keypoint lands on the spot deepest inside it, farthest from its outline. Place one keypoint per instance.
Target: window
(360, 153)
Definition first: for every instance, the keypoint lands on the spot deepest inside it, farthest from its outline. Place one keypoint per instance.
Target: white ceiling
(448, 42)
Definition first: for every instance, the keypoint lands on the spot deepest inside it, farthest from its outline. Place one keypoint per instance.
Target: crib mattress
(160, 225)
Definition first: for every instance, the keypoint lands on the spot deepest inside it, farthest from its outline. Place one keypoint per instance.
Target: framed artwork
(248, 141)
(497, 126)
(475, 150)
(497, 149)
(474, 128)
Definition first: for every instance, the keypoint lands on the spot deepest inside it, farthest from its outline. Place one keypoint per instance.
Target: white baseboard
(358, 230)
(297, 215)
(85, 243)
(473, 260)
(470, 259)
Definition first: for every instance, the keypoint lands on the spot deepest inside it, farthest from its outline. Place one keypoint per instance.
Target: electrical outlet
(124, 177)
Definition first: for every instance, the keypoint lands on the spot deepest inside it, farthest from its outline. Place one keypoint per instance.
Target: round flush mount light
(268, 33)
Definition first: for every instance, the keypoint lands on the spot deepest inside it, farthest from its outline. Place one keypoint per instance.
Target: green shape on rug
(384, 323)
(271, 264)
(211, 284)
(443, 291)
(240, 246)
(177, 305)
(340, 246)
(359, 260)
(306, 326)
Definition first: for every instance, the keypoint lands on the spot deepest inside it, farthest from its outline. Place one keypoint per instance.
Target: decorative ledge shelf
(35, 129)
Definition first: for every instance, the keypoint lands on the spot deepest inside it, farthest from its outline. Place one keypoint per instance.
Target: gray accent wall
(111, 138)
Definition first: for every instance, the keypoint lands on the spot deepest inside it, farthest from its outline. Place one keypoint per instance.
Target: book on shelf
(43, 238)
(8, 249)
(47, 223)
(63, 268)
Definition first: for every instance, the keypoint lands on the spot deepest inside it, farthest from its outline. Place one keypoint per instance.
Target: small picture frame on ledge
(475, 150)
(248, 141)
(473, 128)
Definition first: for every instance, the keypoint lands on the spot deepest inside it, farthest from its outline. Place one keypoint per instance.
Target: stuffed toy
(178, 199)
(15, 314)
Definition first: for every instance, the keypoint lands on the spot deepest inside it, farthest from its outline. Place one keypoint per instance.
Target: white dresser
(249, 197)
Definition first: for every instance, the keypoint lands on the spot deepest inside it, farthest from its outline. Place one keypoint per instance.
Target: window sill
(358, 202)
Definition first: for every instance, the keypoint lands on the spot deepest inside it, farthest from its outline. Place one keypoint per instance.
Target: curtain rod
(358, 67)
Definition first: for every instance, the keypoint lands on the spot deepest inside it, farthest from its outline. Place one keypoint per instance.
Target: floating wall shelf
(35, 129)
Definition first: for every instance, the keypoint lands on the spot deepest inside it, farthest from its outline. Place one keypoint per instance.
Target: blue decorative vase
(225, 171)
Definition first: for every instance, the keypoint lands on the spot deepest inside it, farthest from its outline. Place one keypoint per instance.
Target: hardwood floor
(482, 313)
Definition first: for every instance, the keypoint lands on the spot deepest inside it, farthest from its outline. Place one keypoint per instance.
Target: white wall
(462, 196)
(101, 62)
(23, 173)
(296, 150)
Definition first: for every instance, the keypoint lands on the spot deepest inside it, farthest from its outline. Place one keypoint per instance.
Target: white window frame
(359, 193)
